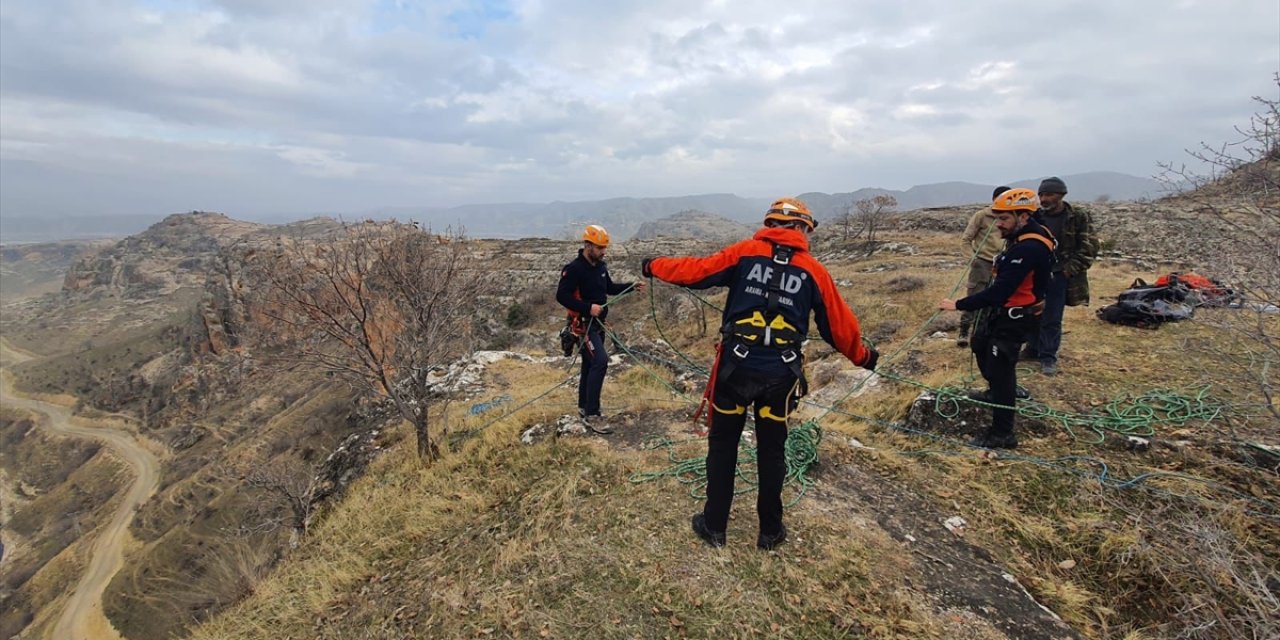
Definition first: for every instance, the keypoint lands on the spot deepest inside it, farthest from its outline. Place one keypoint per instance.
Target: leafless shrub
(1211, 581)
(378, 305)
(676, 305)
(292, 489)
(870, 215)
(1236, 192)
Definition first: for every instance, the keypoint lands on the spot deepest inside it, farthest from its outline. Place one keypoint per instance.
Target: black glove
(644, 268)
(872, 359)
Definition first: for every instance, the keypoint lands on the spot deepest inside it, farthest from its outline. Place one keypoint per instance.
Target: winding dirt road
(82, 617)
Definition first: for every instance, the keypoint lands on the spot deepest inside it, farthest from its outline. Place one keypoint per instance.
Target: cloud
(365, 103)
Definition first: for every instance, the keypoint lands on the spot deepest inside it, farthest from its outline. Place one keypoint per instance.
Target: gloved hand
(872, 359)
(644, 268)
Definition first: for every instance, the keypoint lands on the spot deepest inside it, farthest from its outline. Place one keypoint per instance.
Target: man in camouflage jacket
(1077, 248)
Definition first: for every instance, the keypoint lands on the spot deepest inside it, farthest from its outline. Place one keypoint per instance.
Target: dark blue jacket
(1022, 272)
(583, 284)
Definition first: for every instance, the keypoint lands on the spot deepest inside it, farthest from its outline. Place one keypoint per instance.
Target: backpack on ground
(1147, 306)
(1201, 291)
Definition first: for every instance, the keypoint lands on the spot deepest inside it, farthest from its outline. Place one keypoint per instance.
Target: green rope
(801, 455)
(1097, 469)
(653, 313)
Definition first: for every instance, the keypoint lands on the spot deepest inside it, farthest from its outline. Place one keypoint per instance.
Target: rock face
(34, 269)
(173, 253)
(694, 225)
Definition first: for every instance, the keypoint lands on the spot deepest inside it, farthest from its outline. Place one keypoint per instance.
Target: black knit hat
(1053, 185)
(999, 190)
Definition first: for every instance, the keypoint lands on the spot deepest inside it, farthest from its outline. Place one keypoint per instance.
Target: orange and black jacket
(746, 268)
(1022, 272)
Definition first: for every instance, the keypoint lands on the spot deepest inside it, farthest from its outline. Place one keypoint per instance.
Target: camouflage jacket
(1077, 248)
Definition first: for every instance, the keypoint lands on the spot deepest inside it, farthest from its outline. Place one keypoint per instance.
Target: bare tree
(294, 485)
(847, 222)
(379, 305)
(871, 215)
(1235, 192)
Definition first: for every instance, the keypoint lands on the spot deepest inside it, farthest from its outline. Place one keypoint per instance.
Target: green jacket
(1077, 249)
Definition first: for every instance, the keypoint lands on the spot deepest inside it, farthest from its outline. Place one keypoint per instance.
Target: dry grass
(554, 540)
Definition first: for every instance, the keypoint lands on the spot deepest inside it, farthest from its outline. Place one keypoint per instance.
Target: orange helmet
(595, 234)
(791, 210)
(1016, 200)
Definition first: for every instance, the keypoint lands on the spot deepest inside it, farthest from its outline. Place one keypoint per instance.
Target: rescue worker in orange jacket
(1012, 304)
(775, 285)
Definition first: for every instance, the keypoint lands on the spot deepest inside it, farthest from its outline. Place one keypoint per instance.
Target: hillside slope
(516, 533)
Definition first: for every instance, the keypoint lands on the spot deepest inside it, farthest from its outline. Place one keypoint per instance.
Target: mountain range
(622, 216)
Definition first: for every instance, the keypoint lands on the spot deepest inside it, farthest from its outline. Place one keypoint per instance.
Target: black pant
(772, 397)
(595, 362)
(996, 342)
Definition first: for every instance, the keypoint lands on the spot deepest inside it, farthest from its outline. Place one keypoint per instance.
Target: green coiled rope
(801, 455)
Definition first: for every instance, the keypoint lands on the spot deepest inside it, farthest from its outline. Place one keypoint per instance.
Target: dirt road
(82, 617)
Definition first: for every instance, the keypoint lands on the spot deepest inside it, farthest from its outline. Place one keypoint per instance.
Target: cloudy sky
(257, 107)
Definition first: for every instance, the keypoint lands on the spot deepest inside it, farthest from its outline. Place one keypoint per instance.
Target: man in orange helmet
(775, 285)
(1012, 304)
(584, 289)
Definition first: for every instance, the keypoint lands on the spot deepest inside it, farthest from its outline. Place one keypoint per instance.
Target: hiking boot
(981, 395)
(597, 424)
(962, 341)
(988, 441)
(1049, 368)
(768, 542)
(1027, 354)
(708, 536)
(1019, 392)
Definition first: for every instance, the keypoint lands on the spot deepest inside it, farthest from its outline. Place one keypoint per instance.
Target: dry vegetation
(1177, 539)
(555, 540)
(65, 485)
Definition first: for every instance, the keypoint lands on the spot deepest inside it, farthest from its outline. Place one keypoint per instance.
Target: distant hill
(694, 225)
(623, 217)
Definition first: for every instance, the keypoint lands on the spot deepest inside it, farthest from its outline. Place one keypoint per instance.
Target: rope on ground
(801, 454)
(1136, 418)
(1098, 469)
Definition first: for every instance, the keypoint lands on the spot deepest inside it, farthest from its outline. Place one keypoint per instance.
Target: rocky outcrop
(694, 225)
(173, 253)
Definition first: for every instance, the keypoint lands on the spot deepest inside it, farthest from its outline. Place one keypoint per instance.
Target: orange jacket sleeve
(700, 273)
(836, 322)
